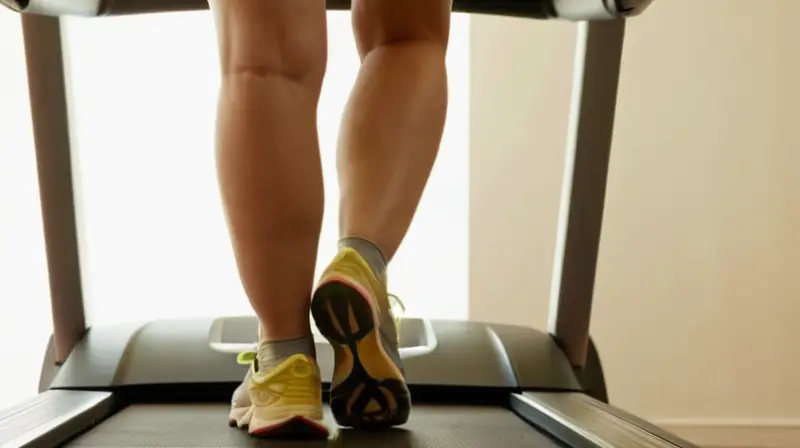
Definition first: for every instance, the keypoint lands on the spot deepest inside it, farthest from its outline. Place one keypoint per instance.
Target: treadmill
(168, 383)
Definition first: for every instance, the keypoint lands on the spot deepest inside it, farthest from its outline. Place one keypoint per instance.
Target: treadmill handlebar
(573, 10)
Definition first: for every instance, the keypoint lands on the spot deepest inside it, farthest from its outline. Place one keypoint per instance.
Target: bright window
(154, 239)
(25, 323)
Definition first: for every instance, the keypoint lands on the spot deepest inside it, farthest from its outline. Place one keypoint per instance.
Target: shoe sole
(238, 417)
(373, 393)
(296, 426)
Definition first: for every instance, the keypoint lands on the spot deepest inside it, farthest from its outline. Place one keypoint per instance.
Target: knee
(297, 63)
(269, 41)
(377, 23)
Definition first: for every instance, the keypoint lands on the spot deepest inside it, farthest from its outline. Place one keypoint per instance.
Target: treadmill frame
(52, 139)
(598, 59)
(596, 79)
(569, 416)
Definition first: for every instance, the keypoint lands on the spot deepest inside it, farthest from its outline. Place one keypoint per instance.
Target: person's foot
(284, 400)
(351, 308)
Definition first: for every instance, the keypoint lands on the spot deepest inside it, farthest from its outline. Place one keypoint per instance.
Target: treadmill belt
(205, 425)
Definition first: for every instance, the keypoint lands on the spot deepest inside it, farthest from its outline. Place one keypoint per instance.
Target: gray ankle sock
(272, 353)
(371, 254)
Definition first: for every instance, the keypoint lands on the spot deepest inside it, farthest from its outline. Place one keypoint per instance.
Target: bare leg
(273, 56)
(389, 138)
(394, 120)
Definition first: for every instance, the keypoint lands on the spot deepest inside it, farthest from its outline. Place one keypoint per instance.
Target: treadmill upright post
(594, 96)
(48, 98)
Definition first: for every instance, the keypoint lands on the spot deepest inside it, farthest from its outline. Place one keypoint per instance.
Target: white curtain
(154, 242)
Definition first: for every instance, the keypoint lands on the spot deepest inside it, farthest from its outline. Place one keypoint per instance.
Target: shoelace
(397, 309)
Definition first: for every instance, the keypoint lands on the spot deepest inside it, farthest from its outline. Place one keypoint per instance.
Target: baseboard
(736, 433)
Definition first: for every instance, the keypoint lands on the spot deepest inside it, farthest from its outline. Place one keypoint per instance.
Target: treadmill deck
(205, 425)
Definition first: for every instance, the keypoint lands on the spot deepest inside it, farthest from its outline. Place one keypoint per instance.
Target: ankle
(272, 353)
(281, 330)
(267, 337)
(370, 252)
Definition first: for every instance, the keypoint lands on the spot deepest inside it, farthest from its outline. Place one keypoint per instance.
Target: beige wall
(697, 299)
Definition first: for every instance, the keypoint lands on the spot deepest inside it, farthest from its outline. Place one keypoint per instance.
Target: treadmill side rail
(53, 417)
(581, 421)
(643, 424)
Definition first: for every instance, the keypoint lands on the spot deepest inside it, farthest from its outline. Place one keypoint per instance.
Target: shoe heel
(302, 424)
(342, 314)
(372, 392)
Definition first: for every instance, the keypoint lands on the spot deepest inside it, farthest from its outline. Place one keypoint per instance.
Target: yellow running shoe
(286, 400)
(240, 403)
(352, 310)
